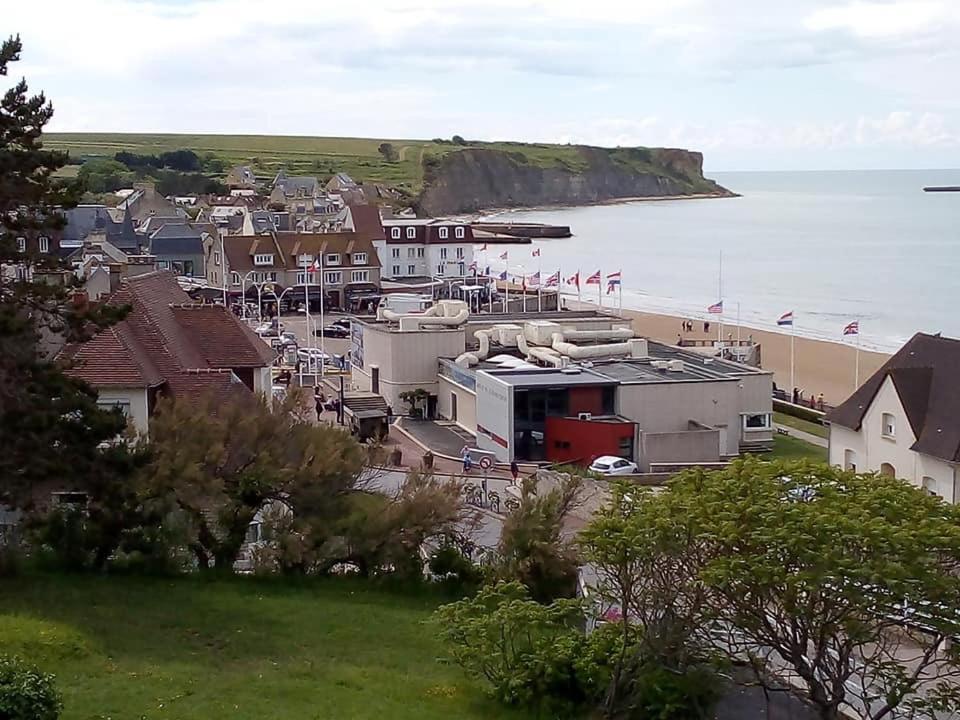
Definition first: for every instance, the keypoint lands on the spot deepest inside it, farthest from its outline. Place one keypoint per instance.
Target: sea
(832, 247)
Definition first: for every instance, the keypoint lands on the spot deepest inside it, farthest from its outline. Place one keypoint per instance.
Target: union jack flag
(852, 328)
(593, 279)
(553, 280)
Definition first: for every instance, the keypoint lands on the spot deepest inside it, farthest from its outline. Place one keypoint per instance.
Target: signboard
(454, 372)
(494, 415)
(356, 344)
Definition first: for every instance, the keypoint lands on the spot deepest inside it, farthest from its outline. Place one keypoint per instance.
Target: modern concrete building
(902, 421)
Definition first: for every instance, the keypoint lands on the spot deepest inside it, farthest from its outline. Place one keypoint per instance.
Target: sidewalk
(801, 435)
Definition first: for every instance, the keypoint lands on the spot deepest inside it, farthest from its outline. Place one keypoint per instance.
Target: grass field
(235, 648)
(790, 448)
(800, 424)
(323, 156)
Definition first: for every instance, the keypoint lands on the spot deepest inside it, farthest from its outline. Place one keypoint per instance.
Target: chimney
(116, 272)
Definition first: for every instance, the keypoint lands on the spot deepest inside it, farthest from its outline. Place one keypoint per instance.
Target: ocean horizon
(832, 246)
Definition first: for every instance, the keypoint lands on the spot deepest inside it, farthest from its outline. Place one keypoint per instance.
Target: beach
(820, 366)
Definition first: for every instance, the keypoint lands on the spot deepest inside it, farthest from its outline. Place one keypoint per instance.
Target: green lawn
(790, 448)
(800, 424)
(235, 648)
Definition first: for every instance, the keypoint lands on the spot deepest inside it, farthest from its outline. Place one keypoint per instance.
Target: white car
(612, 465)
(313, 355)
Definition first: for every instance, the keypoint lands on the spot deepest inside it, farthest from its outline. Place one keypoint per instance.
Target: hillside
(445, 177)
(247, 649)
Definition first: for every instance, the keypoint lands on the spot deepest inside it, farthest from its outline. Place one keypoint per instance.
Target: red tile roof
(165, 337)
(366, 221)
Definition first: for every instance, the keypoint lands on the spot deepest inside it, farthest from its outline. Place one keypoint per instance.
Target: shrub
(662, 694)
(26, 693)
(454, 569)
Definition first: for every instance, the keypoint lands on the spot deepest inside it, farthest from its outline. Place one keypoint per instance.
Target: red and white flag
(614, 276)
(852, 328)
(593, 279)
(503, 255)
(553, 280)
(574, 279)
(315, 265)
(716, 308)
(535, 253)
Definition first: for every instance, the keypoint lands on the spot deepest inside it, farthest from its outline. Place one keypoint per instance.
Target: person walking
(467, 460)
(319, 400)
(515, 471)
(820, 402)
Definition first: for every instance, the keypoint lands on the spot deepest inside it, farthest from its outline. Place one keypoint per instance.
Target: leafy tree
(458, 140)
(182, 160)
(137, 162)
(26, 693)
(532, 547)
(848, 581)
(222, 460)
(389, 152)
(50, 423)
(101, 175)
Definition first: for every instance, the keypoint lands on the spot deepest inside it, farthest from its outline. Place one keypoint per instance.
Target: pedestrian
(706, 326)
(679, 340)
(820, 402)
(467, 460)
(318, 400)
(389, 414)
(796, 392)
(515, 471)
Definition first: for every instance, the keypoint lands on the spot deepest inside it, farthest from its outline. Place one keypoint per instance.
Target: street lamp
(243, 295)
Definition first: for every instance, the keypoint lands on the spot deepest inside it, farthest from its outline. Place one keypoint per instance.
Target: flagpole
(720, 296)
(539, 284)
(620, 293)
(793, 382)
(856, 371)
(600, 290)
(323, 347)
(738, 323)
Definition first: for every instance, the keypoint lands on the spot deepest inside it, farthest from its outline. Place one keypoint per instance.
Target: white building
(905, 420)
(415, 247)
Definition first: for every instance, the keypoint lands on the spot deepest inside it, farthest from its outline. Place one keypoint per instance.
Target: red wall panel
(569, 440)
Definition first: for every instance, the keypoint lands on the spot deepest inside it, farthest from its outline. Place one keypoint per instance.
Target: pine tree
(49, 422)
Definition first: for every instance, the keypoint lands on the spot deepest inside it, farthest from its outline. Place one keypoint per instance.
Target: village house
(347, 260)
(83, 220)
(168, 345)
(902, 421)
(178, 246)
(145, 201)
(424, 248)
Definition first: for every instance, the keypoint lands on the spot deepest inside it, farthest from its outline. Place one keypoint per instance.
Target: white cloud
(882, 19)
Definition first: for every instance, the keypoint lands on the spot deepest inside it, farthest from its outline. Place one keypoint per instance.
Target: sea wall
(477, 179)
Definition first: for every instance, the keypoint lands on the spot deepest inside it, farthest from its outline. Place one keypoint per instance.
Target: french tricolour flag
(593, 279)
(716, 308)
(852, 328)
(786, 319)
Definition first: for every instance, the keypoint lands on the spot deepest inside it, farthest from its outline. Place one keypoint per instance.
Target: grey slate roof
(163, 246)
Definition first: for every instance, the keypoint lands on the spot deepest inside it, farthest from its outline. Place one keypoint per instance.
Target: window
(411, 252)
(395, 233)
(929, 485)
(460, 270)
(69, 499)
(235, 278)
(276, 219)
(21, 244)
(395, 252)
(332, 278)
(216, 258)
(360, 276)
(333, 259)
(273, 277)
(411, 232)
(849, 460)
(888, 426)
(440, 269)
(359, 258)
(458, 232)
(888, 470)
(443, 253)
(301, 278)
(44, 244)
(163, 264)
(444, 233)
(419, 252)
(411, 269)
(263, 259)
(396, 269)
(757, 421)
(109, 405)
(459, 253)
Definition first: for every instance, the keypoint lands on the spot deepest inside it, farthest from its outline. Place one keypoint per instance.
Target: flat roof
(549, 377)
(696, 367)
(516, 318)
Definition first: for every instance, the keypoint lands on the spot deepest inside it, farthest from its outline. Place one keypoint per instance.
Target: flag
(315, 265)
(614, 276)
(535, 279)
(853, 328)
(486, 271)
(503, 275)
(593, 279)
(553, 280)
(611, 285)
(786, 319)
(535, 253)
(716, 308)
(472, 267)
(574, 279)
(503, 255)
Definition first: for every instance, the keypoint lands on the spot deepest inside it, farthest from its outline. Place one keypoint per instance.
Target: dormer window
(263, 259)
(44, 244)
(459, 233)
(359, 258)
(333, 259)
(235, 278)
(444, 233)
(395, 233)
(411, 233)
(21, 244)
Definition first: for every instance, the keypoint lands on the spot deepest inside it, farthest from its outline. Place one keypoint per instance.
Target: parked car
(332, 331)
(342, 322)
(288, 338)
(313, 354)
(612, 465)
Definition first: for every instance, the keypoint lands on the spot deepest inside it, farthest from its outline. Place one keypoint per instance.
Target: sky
(753, 84)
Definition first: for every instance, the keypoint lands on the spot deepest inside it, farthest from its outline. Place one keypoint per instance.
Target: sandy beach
(819, 366)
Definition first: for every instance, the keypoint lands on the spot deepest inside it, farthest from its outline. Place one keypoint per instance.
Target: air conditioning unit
(675, 366)
(584, 416)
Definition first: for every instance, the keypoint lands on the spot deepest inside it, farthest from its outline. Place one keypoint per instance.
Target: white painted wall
(136, 398)
(871, 449)
(263, 381)
(494, 401)
(451, 263)
(466, 404)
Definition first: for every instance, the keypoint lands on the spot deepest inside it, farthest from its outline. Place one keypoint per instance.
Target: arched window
(888, 470)
(849, 460)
